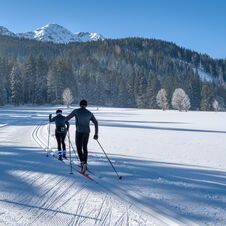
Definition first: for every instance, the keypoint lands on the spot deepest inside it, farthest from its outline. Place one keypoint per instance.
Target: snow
(203, 75)
(5, 31)
(172, 164)
(58, 34)
(88, 36)
(54, 33)
(28, 35)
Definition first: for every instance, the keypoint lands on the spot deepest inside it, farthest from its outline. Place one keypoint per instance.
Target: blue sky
(199, 25)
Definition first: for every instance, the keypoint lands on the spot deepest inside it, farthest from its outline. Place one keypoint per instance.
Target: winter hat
(58, 111)
(83, 103)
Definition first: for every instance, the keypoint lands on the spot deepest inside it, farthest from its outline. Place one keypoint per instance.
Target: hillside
(109, 72)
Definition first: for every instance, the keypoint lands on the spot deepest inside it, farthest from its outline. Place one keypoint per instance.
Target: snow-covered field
(173, 166)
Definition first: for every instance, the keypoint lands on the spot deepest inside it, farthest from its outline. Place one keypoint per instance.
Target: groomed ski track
(51, 196)
(145, 216)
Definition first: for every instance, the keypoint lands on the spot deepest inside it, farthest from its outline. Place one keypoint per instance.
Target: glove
(95, 137)
(50, 116)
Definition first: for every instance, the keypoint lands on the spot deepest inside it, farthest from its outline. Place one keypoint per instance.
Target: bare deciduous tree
(161, 99)
(67, 97)
(180, 100)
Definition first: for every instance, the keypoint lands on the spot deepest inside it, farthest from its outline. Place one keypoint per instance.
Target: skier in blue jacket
(62, 127)
(83, 118)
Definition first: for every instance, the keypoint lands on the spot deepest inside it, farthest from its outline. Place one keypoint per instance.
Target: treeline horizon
(118, 73)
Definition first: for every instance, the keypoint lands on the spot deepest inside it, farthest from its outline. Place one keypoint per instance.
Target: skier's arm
(51, 119)
(71, 115)
(93, 119)
(67, 124)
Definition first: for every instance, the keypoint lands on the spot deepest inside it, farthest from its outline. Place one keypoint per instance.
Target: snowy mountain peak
(88, 36)
(59, 34)
(55, 33)
(5, 31)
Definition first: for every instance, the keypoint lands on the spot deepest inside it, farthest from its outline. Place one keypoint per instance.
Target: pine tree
(207, 97)
(100, 91)
(52, 83)
(140, 90)
(123, 95)
(170, 83)
(130, 88)
(29, 80)
(16, 84)
(41, 81)
(197, 86)
(151, 92)
(5, 87)
(3, 95)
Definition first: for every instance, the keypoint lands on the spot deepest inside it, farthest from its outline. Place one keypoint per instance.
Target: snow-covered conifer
(161, 99)
(67, 97)
(180, 100)
(216, 106)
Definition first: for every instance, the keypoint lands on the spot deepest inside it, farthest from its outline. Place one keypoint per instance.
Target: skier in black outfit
(83, 118)
(60, 132)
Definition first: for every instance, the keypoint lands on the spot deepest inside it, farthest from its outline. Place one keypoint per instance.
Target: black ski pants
(81, 144)
(60, 137)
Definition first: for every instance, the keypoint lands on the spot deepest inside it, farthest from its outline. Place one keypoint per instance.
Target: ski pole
(69, 152)
(47, 155)
(73, 148)
(119, 177)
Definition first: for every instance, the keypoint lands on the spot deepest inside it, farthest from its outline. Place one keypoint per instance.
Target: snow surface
(203, 75)
(172, 164)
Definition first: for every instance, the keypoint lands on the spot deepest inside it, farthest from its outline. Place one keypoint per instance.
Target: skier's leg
(79, 140)
(58, 138)
(85, 149)
(63, 136)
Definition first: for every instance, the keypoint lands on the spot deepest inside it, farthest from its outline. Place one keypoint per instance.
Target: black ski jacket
(83, 118)
(60, 122)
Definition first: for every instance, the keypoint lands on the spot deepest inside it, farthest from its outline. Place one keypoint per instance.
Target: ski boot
(84, 168)
(60, 158)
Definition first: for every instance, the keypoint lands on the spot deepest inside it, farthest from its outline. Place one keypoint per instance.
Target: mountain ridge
(54, 33)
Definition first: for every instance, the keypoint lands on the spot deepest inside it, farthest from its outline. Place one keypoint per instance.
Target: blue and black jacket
(83, 118)
(60, 122)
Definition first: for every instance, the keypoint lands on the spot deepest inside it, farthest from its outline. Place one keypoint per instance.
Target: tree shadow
(178, 191)
(108, 123)
(46, 209)
(152, 185)
(142, 122)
